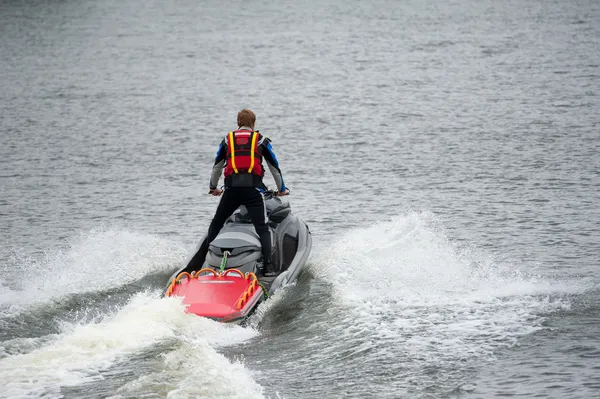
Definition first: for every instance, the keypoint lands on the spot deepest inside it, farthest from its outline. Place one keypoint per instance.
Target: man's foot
(268, 270)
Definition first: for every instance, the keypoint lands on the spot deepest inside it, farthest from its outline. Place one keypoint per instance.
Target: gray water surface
(444, 155)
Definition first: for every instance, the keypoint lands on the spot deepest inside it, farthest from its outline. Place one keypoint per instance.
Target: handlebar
(266, 192)
(272, 193)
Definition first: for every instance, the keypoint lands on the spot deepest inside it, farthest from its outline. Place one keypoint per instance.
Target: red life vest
(243, 156)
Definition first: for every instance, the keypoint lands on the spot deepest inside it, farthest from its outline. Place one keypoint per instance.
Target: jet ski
(230, 284)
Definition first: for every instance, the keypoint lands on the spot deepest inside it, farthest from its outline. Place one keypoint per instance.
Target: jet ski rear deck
(229, 296)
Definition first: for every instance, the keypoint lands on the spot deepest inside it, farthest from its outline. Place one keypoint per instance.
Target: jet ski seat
(241, 215)
(276, 214)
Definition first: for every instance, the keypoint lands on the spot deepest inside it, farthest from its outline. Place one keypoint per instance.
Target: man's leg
(229, 203)
(255, 204)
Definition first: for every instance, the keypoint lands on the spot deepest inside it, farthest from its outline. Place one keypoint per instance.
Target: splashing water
(402, 290)
(83, 351)
(96, 261)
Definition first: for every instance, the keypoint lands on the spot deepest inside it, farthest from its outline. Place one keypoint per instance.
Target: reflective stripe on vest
(232, 149)
(254, 136)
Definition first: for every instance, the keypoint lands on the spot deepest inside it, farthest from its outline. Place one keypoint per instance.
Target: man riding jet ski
(254, 243)
(241, 153)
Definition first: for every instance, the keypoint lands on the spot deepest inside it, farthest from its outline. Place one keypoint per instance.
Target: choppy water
(444, 154)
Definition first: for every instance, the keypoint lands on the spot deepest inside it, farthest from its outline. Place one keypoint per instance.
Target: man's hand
(215, 191)
(282, 193)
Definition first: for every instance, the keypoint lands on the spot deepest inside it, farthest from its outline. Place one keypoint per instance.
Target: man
(241, 153)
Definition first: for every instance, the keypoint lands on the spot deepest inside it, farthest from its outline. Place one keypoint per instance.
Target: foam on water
(403, 286)
(22, 345)
(82, 351)
(7, 297)
(262, 309)
(95, 261)
(194, 371)
(197, 370)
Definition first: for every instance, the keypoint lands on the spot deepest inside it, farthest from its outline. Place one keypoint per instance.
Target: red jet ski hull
(228, 297)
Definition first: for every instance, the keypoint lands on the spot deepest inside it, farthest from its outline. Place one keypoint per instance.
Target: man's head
(246, 118)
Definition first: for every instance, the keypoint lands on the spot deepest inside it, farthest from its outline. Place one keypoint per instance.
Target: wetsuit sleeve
(219, 165)
(269, 156)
